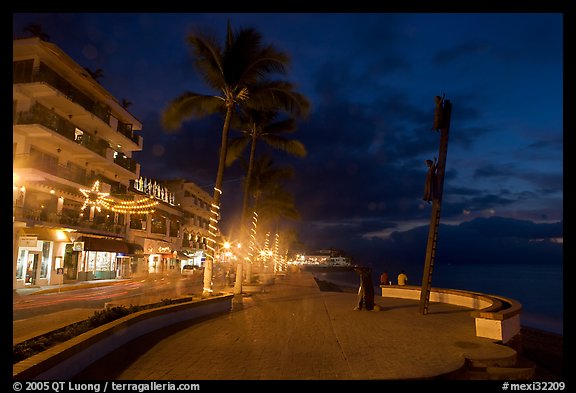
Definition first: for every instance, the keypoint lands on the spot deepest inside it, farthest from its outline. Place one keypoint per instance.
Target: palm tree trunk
(215, 210)
(244, 224)
(239, 278)
(248, 179)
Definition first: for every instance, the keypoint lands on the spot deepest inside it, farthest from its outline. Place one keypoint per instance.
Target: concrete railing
(496, 317)
(65, 360)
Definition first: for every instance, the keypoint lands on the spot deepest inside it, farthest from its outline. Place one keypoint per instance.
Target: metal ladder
(430, 258)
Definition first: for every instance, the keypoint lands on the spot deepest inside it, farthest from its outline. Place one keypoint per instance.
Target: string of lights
(100, 200)
(252, 246)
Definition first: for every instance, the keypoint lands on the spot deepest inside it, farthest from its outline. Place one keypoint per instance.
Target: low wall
(69, 358)
(496, 317)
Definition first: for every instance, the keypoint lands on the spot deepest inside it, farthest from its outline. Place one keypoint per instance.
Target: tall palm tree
(256, 125)
(267, 191)
(269, 198)
(261, 126)
(237, 72)
(36, 30)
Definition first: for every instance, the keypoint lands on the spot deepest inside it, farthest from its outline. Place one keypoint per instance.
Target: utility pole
(434, 191)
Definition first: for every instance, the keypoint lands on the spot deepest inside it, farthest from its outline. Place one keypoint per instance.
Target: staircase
(507, 367)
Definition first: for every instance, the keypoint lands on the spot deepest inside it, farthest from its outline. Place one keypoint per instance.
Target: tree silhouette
(36, 30)
(237, 72)
(96, 74)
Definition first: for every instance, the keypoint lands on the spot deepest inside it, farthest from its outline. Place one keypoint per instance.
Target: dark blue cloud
(372, 79)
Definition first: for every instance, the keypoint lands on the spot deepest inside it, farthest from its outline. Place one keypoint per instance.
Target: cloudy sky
(371, 79)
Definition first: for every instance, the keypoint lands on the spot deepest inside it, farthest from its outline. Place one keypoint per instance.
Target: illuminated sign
(78, 246)
(28, 241)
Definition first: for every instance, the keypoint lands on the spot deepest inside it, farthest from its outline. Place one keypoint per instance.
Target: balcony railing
(39, 114)
(22, 73)
(69, 219)
(72, 173)
(126, 130)
(126, 163)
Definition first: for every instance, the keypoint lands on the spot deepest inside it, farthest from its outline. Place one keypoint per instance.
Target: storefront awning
(156, 246)
(135, 249)
(104, 244)
(180, 255)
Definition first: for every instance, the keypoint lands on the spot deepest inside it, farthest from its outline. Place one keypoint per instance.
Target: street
(151, 289)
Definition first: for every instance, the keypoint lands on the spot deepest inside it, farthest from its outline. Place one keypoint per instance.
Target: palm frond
(291, 146)
(208, 59)
(190, 105)
(268, 61)
(270, 95)
(275, 204)
(236, 147)
(245, 60)
(280, 127)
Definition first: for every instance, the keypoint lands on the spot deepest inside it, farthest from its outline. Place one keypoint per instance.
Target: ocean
(538, 288)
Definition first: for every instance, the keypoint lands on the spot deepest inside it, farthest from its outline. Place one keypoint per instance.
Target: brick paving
(294, 331)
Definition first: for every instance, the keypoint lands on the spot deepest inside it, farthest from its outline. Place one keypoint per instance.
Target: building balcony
(53, 91)
(64, 178)
(68, 219)
(40, 115)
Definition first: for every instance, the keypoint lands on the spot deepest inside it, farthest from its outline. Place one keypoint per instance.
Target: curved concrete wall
(496, 317)
(67, 359)
(451, 296)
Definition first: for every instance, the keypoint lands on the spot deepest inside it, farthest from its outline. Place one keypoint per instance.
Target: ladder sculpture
(433, 193)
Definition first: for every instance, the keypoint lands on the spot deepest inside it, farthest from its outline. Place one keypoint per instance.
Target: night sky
(371, 79)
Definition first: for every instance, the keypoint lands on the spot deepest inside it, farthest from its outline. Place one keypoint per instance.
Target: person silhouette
(402, 278)
(384, 280)
(366, 290)
(430, 188)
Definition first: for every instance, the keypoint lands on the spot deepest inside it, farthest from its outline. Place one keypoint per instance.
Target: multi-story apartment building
(175, 234)
(195, 204)
(158, 233)
(81, 210)
(72, 144)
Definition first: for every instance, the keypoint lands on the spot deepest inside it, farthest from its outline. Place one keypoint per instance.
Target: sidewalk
(297, 332)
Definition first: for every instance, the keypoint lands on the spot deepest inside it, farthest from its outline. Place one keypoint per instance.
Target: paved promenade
(294, 331)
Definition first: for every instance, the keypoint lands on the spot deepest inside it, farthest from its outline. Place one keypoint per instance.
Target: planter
(69, 358)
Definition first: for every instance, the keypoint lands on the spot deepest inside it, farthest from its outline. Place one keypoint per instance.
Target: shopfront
(40, 254)
(102, 258)
(161, 258)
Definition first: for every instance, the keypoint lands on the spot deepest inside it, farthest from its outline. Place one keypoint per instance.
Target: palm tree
(236, 71)
(96, 74)
(125, 103)
(257, 125)
(254, 126)
(269, 198)
(36, 30)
